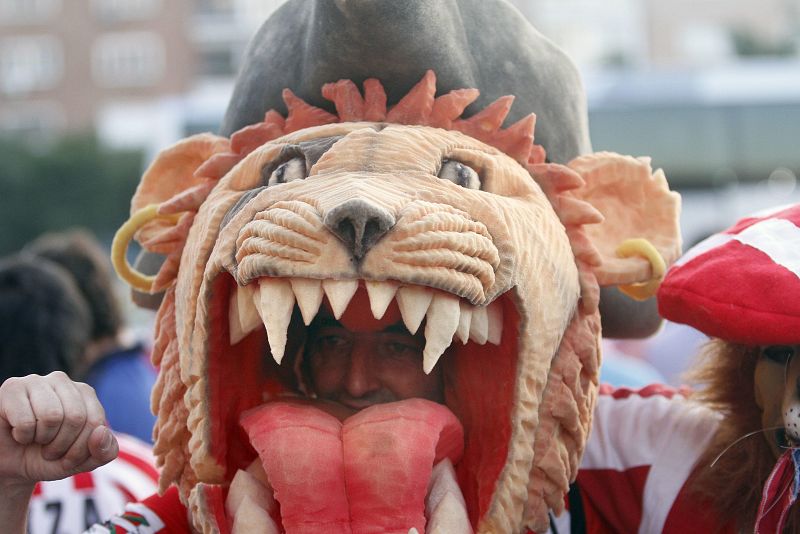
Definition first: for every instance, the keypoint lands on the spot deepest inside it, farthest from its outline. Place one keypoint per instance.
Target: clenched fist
(50, 428)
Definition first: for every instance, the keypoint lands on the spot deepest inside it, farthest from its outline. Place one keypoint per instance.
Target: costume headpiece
(741, 284)
(395, 201)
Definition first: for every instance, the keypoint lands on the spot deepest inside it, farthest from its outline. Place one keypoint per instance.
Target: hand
(50, 428)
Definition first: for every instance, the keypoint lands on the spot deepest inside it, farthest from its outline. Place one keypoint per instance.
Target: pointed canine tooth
(242, 314)
(450, 517)
(256, 469)
(276, 305)
(464, 321)
(444, 505)
(495, 319)
(440, 326)
(381, 295)
(309, 297)
(339, 293)
(413, 302)
(245, 485)
(479, 325)
(252, 519)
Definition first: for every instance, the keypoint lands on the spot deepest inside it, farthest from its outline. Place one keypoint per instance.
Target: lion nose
(359, 224)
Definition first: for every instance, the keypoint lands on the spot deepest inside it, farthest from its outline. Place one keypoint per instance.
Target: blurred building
(66, 65)
(708, 88)
(140, 73)
(657, 33)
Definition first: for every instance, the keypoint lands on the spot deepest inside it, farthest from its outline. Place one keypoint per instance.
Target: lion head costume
(460, 225)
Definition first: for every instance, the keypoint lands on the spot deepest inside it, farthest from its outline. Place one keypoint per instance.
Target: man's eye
(778, 353)
(288, 171)
(459, 174)
(394, 348)
(331, 342)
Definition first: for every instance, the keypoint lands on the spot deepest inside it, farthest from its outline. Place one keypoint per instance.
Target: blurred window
(26, 11)
(212, 7)
(113, 10)
(217, 61)
(129, 59)
(30, 63)
(34, 121)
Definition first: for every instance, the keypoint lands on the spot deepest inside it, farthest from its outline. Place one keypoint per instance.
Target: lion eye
(778, 353)
(460, 174)
(288, 171)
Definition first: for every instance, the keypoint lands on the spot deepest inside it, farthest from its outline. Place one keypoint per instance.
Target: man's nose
(361, 379)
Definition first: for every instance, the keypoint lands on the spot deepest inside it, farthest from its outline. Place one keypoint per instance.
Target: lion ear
(638, 208)
(176, 183)
(173, 170)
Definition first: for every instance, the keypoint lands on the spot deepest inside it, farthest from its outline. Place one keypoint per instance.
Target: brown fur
(733, 485)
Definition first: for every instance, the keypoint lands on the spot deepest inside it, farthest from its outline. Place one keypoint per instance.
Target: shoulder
(649, 414)
(643, 427)
(641, 450)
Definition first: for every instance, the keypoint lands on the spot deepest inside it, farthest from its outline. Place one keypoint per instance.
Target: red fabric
(129, 497)
(613, 499)
(83, 481)
(690, 515)
(735, 291)
(652, 390)
(777, 497)
(170, 510)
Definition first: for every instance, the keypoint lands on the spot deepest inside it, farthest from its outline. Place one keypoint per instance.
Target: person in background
(44, 322)
(121, 374)
(44, 330)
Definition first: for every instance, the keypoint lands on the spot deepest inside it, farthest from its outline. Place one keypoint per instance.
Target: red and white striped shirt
(643, 447)
(74, 504)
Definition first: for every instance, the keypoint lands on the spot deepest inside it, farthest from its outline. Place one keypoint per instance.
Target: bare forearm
(14, 506)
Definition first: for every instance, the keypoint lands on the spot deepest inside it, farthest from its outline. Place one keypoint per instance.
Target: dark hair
(81, 255)
(44, 321)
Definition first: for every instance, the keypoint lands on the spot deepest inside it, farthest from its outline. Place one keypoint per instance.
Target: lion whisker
(749, 434)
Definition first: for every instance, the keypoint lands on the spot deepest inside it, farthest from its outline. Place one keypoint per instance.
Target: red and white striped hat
(741, 285)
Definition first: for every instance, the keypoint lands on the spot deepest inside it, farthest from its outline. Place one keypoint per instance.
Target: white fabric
(61, 507)
(666, 434)
(777, 238)
(704, 246)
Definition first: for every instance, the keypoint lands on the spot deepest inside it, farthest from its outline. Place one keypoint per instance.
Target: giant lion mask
(459, 226)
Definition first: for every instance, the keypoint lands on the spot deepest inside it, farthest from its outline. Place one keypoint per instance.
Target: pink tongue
(369, 474)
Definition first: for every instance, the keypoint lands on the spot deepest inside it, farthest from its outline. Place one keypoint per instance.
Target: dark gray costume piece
(485, 44)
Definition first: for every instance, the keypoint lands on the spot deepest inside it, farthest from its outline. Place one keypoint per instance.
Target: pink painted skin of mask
(370, 472)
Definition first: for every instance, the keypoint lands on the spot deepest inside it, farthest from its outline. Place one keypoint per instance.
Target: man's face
(370, 363)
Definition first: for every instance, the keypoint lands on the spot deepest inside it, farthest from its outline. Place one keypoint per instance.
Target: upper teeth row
(271, 302)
